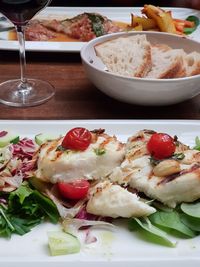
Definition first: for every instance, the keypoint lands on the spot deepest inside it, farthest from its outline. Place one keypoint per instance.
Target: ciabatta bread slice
(128, 56)
(192, 62)
(166, 63)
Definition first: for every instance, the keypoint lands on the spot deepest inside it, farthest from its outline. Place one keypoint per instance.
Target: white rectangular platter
(119, 247)
(117, 13)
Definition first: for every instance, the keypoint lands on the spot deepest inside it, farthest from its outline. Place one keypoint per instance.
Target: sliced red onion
(83, 214)
(14, 181)
(63, 211)
(73, 225)
(27, 166)
(89, 237)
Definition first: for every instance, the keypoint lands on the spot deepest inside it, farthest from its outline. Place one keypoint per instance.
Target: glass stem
(22, 55)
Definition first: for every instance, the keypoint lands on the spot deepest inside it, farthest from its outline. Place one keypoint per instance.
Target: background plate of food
(66, 29)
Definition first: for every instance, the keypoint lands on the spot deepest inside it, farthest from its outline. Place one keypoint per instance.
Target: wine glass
(23, 92)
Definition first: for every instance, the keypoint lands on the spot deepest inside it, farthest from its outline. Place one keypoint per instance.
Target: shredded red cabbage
(3, 133)
(25, 148)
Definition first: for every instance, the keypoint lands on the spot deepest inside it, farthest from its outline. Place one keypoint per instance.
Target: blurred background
(129, 3)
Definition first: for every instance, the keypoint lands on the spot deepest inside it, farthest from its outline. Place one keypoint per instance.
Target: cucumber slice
(8, 138)
(42, 138)
(61, 243)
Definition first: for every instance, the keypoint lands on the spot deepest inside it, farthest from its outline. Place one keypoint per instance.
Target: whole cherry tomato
(77, 138)
(161, 146)
(74, 190)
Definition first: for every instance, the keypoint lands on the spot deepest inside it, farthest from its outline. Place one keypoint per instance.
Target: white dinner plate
(114, 13)
(119, 247)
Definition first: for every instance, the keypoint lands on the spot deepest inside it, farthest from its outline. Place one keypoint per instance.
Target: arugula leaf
(23, 226)
(6, 219)
(26, 208)
(21, 193)
(47, 206)
(152, 233)
(171, 220)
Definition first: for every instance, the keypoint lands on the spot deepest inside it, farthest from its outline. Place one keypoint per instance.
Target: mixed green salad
(23, 205)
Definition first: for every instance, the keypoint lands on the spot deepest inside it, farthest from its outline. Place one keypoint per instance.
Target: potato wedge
(138, 27)
(163, 18)
(146, 23)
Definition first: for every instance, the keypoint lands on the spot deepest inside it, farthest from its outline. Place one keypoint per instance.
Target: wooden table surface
(76, 97)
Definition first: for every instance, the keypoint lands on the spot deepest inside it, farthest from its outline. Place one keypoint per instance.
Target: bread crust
(127, 56)
(177, 70)
(153, 61)
(146, 65)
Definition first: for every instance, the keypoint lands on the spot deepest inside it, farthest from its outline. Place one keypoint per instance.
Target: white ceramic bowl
(138, 90)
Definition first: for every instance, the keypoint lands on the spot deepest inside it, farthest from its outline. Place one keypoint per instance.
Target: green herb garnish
(154, 161)
(99, 151)
(60, 148)
(178, 156)
(97, 24)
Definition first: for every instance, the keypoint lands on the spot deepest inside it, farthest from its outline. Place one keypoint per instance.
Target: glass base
(31, 93)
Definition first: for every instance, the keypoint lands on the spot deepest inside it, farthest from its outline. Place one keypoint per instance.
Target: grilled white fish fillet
(171, 182)
(107, 199)
(96, 162)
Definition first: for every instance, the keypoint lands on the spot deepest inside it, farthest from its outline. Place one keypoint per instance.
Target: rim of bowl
(113, 35)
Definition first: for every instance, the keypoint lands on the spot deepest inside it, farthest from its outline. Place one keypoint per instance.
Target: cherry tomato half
(74, 190)
(161, 145)
(77, 139)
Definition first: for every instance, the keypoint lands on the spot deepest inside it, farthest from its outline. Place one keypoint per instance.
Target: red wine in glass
(23, 92)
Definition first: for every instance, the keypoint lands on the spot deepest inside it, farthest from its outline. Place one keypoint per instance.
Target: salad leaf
(191, 222)
(23, 226)
(197, 143)
(191, 209)
(5, 225)
(160, 206)
(47, 206)
(152, 233)
(172, 221)
(21, 193)
(26, 208)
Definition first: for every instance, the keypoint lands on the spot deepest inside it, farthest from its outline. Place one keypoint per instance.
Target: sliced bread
(166, 63)
(192, 62)
(128, 56)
